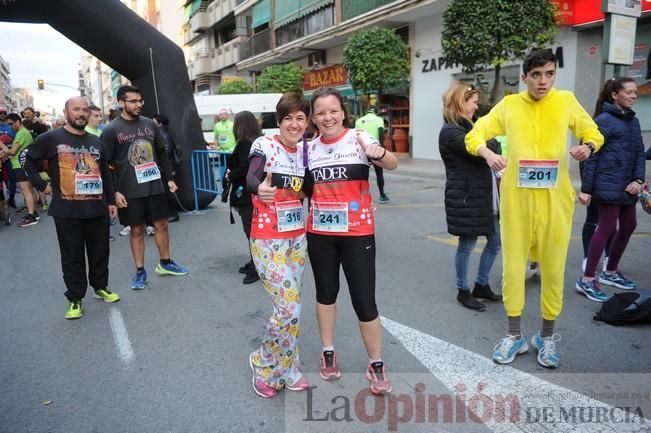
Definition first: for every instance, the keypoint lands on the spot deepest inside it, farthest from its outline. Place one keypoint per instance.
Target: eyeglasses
(135, 101)
(10, 123)
(471, 89)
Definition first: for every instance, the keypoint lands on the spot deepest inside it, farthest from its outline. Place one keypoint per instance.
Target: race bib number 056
(330, 217)
(538, 173)
(147, 172)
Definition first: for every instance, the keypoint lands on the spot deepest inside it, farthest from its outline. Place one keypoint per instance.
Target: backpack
(626, 308)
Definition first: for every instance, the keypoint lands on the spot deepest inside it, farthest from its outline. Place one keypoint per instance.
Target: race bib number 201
(147, 172)
(538, 173)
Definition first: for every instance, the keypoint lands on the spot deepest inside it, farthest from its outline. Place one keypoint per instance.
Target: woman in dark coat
(613, 177)
(471, 196)
(246, 129)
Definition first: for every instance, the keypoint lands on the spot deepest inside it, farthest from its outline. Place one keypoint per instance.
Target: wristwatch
(590, 146)
(640, 181)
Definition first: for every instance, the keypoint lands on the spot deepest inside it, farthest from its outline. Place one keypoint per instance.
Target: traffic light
(41, 84)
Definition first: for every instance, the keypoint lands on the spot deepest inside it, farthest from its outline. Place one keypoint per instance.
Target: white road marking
(121, 337)
(453, 365)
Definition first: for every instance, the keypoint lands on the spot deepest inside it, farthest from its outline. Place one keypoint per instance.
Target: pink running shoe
(261, 388)
(329, 369)
(376, 374)
(300, 385)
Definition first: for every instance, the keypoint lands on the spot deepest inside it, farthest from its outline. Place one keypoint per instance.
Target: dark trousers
(246, 213)
(79, 238)
(379, 176)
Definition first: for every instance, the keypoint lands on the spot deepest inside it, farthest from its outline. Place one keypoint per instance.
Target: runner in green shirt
(94, 119)
(374, 124)
(224, 136)
(21, 141)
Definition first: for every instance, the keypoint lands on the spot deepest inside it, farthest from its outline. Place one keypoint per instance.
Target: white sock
(328, 348)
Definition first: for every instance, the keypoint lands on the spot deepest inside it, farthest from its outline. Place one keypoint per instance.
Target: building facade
(6, 96)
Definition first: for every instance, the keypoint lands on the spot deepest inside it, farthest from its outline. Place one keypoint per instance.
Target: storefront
(431, 77)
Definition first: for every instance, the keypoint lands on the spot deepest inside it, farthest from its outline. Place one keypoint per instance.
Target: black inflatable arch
(121, 39)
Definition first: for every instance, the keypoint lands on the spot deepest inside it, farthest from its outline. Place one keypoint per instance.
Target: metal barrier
(208, 168)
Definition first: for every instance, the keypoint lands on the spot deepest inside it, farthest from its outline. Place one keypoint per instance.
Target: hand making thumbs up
(266, 192)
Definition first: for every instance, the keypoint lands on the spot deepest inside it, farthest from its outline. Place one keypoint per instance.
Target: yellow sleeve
(584, 127)
(487, 127)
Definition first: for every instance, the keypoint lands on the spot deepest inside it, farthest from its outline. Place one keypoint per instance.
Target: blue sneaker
(170, 269)
(616, 279)
(591, 290)
(139, 281)
(546, 347)
(508, 348)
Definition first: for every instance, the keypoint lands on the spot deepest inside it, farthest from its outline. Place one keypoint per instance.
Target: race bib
(222, 139)
(147, 172)
(330, 217)
(289, 215)
(88, 184)
(538, 173)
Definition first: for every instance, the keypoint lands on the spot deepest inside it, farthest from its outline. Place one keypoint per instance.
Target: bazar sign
(336, 75)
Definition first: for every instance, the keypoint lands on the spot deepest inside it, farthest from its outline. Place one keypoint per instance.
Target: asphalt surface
(174, 357)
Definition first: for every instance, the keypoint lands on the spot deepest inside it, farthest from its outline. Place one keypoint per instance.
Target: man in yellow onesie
(537, 197)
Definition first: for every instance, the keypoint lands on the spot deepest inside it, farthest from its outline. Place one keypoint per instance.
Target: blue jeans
(462, 258)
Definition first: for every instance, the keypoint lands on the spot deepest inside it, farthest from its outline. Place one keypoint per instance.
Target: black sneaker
(246, 268)
(11, 203)
(468, 301)
(29, 220)
(484, 292)
(384, 199)
(22, 209)
(251, 277)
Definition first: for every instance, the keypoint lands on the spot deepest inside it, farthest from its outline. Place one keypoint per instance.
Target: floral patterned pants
(280, 264)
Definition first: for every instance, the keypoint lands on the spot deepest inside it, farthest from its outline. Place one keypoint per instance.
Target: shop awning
(261, 13)
(291, 10)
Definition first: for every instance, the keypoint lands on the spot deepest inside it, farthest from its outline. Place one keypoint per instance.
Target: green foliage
(376, 59)
(235, 87)
(479, 34)
(281, 79)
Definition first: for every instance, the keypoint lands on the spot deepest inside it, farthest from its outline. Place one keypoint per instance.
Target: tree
(376, 59)
(281, 79)
(235, 87)
(479, 34)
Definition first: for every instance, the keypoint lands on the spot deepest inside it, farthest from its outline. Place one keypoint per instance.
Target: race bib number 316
(538, 173)
(290, 215)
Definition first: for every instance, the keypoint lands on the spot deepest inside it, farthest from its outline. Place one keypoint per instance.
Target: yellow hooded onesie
(535, 215)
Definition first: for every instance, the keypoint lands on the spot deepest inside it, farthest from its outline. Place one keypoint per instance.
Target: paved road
(173, 358)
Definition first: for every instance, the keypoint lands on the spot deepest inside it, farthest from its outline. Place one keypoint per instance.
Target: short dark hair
(123, 90)
(538, 57)
(28, 124)
(15, 117)
(162, 119)
(289, 103)
(331, 91)
(94, 108)
(246, 126)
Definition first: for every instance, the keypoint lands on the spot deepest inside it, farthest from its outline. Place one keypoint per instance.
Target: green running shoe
(107, 295)
(170, 269)
(74, 311)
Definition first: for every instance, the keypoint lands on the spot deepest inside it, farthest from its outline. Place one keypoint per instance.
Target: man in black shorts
(82, 199)
(135, 149)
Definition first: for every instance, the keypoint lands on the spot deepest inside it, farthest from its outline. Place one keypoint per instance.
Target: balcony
(201, 64)
(259, 43)
(227, 54)
(199, 22)
(353, 8)
(219, 9)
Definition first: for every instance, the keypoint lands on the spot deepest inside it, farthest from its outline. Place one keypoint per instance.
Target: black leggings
(356, 254)
(589, 227)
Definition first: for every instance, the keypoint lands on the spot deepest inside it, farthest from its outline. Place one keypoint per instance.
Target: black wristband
(382, 157)
(640, 181)
(590, 146)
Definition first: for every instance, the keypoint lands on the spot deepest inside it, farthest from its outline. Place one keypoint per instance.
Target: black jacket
(238, 163)
(469, 184)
